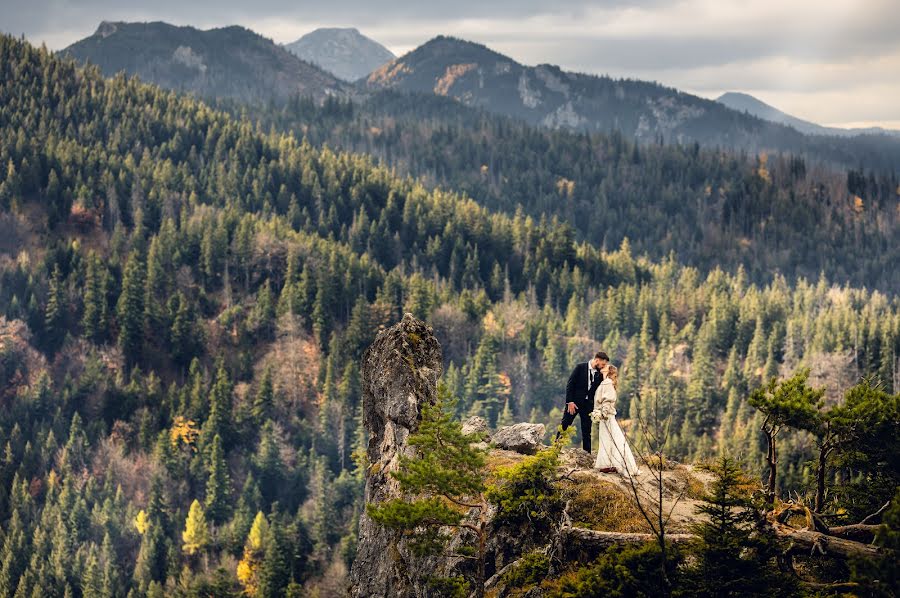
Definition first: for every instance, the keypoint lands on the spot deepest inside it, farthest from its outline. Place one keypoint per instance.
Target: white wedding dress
(613, 449)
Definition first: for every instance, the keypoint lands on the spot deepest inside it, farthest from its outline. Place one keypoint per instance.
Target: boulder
(477, 426)
(522, 438)
(576, 458)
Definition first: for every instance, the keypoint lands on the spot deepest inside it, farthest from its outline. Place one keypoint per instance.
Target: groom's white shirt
(591, 371)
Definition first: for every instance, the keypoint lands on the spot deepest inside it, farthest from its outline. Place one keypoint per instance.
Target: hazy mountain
(344, 52)
(546, 95)
(231, 62)
(743, 102)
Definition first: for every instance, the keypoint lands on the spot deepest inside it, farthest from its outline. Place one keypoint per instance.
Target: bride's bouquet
(602, 414)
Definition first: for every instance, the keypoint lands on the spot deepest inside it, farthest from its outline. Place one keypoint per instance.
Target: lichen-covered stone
(399, 374)
(476, 426)
(522, 438)
(576, 458)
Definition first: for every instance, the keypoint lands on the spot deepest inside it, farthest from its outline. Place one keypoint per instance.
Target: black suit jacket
(577, 390)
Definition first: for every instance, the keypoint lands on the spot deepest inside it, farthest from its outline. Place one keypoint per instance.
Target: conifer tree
(249, 568)
(94, 319)
(196, 531)
(264, 398)
(218, 485)
(441, 483)
(789, 403)
(54, 313)
(218, 423)
(734, 553)
(130, 308)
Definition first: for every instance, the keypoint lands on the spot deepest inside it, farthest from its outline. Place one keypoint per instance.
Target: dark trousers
(586, 423)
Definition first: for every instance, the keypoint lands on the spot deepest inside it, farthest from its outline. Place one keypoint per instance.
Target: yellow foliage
(196, 531)
(258, 531)
(184, 431)
(247, 574)
(490, 323)
(142, 522)
(565, 187)
(249, 565)
(763, 171)
(505, 383)
(484, 169)
(858, 204)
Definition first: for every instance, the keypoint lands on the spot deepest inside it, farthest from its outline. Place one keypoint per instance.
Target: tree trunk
(819, 504)
(482, 536)
(809, 542)
(771, 459)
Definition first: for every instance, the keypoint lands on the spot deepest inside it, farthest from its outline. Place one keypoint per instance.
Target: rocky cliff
(399, 374)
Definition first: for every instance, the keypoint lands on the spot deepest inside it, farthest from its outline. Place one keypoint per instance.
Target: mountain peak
(230, 61)
(342, 51)
(107, 28)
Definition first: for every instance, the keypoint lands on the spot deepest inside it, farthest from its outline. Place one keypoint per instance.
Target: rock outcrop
(399, 374)
(522, 438)
(476, 426)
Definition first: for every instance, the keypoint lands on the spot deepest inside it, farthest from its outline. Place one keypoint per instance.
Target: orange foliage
(184, 431)
(453, 72)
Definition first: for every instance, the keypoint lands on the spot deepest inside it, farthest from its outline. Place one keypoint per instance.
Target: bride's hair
(613, 374)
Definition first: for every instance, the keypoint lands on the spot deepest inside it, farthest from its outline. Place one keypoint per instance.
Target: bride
(614, 454)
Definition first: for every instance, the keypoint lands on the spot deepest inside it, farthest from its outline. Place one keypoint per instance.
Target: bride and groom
(591, 394)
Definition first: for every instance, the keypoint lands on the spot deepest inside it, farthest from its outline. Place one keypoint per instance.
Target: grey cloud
(36, 17)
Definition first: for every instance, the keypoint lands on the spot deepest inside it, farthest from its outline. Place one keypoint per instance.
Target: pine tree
(264, 311)
(445, 471)
(250, 566)
(196, 530)
(789, 403)
(54, 313)
(130, 309)
(94, 319)
(183, 339)
(264, 398)
(267, 464)
(701, 390)
(882, 577)
(92, 578)
(734, 554)
(218, 423)
(218, 485)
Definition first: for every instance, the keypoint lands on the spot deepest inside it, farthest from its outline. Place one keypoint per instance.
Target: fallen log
(811, 542)
(585, 545)
(858, 532)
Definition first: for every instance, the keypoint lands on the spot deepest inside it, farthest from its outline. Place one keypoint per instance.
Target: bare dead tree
(651, 503)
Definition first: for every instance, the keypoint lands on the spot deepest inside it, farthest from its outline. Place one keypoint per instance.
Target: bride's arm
(607, 399)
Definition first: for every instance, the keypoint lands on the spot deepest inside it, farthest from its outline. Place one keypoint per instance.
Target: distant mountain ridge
(234, 63)
(344, 52)
(228, 62)
(743, 102)
(548, 96)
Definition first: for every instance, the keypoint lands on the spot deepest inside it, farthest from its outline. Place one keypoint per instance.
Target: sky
(834, 62)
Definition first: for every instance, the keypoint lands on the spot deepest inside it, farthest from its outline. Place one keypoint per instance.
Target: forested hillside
(769, 214)
(184, 300)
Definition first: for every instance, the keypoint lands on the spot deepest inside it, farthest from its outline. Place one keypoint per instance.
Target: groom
(580, 389)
